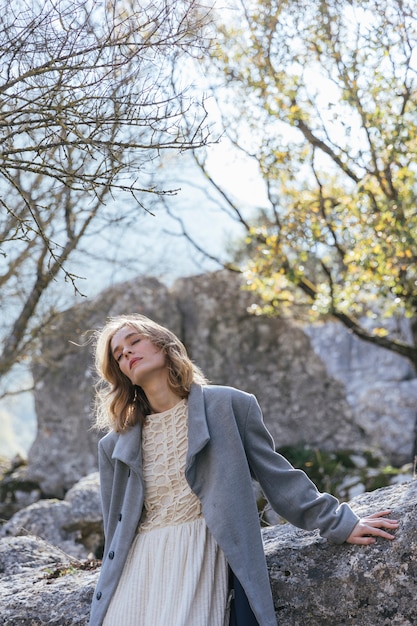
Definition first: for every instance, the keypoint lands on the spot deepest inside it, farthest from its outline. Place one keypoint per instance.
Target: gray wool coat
(228, 445)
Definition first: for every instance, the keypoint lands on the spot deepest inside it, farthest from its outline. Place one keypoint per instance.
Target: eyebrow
(128, 336)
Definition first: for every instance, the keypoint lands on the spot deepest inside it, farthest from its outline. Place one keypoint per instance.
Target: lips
(133, 361)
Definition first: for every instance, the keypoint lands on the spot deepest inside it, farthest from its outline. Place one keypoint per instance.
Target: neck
(161, 397)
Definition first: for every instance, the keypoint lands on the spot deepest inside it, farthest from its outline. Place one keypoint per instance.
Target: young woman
(182, 536)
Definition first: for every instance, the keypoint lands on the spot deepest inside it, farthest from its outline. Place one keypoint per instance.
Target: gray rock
(387, 411)
(314, 583)
(270, 357)
(380, 386)
(73, 525)
(39, 585)
(16, 491)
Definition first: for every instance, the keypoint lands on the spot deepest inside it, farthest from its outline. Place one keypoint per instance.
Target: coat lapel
(128, 448)
(198, 432)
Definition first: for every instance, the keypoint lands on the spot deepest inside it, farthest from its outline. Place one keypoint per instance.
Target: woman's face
(138, 358)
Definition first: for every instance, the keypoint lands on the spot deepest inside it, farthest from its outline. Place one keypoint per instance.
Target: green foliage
(341, 471)
(324, 96)
(71, 568)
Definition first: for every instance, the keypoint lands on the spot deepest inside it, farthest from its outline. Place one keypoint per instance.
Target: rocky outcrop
(74, 525)
(319, 386)
(314, 583)
(270, 357)
(317, 584)
(16, 491)
(380, 386)
(39, 585)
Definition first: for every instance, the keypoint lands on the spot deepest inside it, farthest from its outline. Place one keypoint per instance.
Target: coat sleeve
(289, 491)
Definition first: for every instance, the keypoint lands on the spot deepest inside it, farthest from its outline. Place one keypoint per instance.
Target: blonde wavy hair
(120, 404)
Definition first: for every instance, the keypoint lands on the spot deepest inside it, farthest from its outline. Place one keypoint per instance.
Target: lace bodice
(168, 497)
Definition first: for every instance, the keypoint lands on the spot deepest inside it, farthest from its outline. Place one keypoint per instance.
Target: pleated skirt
(174, 576)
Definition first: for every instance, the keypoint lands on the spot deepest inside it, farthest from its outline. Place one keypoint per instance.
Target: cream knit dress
(175, 573)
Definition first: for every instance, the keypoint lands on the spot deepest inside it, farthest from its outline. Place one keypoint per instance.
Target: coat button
(111, 555)
(120, 517)
(98, 595)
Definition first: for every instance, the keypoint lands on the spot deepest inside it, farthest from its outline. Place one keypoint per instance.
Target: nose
(126, 350)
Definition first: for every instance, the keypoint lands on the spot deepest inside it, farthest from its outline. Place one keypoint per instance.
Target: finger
(362, 541)
(381, 523)
(379, 514)
(377, 532)
(369, 537)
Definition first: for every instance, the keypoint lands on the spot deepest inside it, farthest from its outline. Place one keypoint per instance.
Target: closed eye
(118, 352)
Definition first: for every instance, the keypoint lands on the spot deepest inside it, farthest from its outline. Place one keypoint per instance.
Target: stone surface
(316, 385)
(314, 583)
(381, 386)
(387, 412)
(38, 585)
(271, 358)
(74, 525)
(16, 491)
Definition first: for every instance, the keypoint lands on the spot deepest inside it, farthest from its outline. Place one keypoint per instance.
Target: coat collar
(128, 447)
(198, 432)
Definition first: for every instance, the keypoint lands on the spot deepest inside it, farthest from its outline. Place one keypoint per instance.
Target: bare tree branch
(86, 110)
